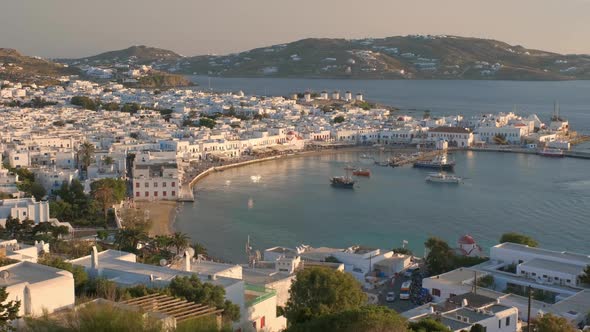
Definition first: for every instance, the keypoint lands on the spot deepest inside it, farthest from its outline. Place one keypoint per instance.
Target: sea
(290, 202)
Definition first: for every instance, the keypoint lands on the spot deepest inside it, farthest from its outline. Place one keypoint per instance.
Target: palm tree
(108, 161)
(129, 238)
(85, 154)
(179, 241)
(104, 195)
(161, 242)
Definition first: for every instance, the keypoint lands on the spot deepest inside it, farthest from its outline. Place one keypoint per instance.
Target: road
(397, 305)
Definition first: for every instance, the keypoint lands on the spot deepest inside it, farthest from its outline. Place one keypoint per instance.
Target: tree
(118, 186)
(85, 154)
(128, 239)
(85, 102)
(338, 119)
(104, 196)
(8, 310)
(96, 317)
(179, 241)
(440, 256)
(194, 290)
(403, 251)
(38, 191)
(500, 139)
(428, 325)
(108, 160)
(206, 122)
(519, 239)
(368, 318)
(585, 277)
(200, 249)
(321, 291)
(551, 323)
(477, 328)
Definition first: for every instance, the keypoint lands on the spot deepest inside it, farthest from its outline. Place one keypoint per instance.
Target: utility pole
(530, 292)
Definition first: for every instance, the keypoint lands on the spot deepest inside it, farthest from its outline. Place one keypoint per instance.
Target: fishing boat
(342, 182)
(443, 178)
(551, 152)
(361, 172)
(439, 162)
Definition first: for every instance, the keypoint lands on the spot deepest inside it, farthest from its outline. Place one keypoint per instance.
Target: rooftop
(27, 272)
(545, 264)
(581, 258)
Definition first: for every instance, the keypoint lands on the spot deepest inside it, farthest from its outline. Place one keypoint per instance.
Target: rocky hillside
(408, 57)
(19, 68)
(141, 55)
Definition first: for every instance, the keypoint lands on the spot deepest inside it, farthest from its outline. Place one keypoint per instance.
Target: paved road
(397, 305)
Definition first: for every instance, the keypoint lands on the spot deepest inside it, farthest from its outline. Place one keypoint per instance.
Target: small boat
(365, 156)
(443, 178)
(342, 182)
(439, 162)
(361, 172)
(350, 168)
(551, 152)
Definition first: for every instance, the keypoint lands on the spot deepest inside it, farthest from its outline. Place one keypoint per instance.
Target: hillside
(139, 55)
(408, 57)
(19, 68)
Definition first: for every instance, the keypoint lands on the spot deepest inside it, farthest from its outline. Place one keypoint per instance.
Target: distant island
(401, 57)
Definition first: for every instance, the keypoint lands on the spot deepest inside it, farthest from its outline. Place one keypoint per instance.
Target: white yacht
(443, 178)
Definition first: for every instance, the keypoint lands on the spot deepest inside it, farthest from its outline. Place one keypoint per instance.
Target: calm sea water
(293, 203)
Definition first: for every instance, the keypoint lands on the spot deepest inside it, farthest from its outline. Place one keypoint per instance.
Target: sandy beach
(162, 214)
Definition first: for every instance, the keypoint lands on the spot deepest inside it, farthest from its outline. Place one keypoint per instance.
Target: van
(404, 293)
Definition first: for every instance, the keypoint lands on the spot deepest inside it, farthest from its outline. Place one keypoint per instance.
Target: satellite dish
(5, 275)
(191, 252)
(163, 262)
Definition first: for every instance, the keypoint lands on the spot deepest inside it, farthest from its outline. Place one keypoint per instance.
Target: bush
(85, 102)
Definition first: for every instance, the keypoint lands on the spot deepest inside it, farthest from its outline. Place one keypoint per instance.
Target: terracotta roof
(457, 130)
(466, 239)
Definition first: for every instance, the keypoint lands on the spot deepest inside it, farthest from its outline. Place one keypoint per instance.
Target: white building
(24, 208)
(257, 304)
(542, 265)
(460, 313)
(455, 136)
(41, 289)
(8, 181)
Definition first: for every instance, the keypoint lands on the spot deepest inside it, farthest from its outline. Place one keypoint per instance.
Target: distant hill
(141, 55)
(407, 57)
(17, 67)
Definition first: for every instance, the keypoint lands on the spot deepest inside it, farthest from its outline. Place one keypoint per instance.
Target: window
(147, 194)
(164, 184)
(155, 184)
(499, 323)
(534, 274)
(262, 322)
(147, 184)
(173, 193)
(544, 276)
(164, 193)
(173, 184)
(508, 321)
(137, 194)
(155, 194)
(136, 184)
(435, 292)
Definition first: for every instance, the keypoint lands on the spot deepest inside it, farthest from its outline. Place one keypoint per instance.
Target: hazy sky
(76, 28)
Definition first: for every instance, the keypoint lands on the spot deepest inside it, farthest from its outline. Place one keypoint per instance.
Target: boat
(439, 162)
(361, 172)
(443, 178)
(350, 168)
(366, 156)
(342, 182)
(551, 152)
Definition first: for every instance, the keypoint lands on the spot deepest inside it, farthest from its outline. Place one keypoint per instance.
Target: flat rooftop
(455, 277)
(132, 273)
(545, 264)
(583, 259)
(262, 276)
(30, 273)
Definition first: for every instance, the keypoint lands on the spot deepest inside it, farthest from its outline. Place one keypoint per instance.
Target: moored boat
(439, 162)
(443, 178)
(551, 152)
(342, 182)
(361, 172)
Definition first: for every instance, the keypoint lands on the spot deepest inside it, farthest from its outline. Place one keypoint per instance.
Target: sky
(78, 28)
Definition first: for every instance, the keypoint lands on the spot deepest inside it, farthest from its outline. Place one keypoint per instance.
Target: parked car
(390, 297)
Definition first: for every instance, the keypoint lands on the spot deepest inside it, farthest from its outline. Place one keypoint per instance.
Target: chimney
(94, 258)
(187, 261)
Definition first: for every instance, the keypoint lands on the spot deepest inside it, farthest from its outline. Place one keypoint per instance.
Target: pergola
(181, 310)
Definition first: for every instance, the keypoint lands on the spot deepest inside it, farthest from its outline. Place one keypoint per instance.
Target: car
(390, 297)
(409, 272)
